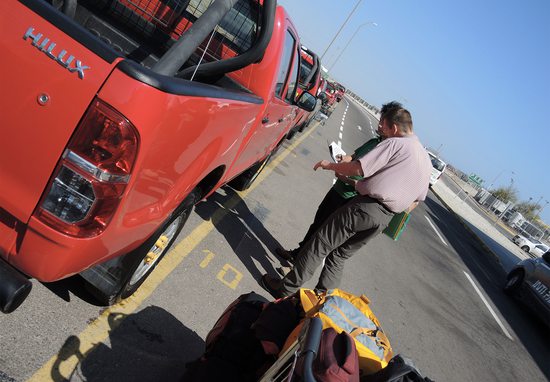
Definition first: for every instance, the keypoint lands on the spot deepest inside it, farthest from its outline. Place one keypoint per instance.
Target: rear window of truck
(145, 29)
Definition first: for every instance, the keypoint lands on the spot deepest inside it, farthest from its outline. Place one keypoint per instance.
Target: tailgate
(44, 95)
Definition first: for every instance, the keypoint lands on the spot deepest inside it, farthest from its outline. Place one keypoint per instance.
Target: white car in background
(438, 166)
(529, 245)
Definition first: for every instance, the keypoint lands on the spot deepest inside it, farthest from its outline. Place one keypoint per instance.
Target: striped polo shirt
(396, 172)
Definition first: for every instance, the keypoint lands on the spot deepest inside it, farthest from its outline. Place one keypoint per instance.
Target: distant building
(486, 199)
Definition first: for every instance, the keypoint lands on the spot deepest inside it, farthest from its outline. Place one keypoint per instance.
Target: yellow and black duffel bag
(344, 311)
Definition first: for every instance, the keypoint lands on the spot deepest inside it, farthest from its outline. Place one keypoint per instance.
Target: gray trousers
(339, 237)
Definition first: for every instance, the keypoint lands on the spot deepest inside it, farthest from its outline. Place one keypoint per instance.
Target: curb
(503, 226)
(484, 246)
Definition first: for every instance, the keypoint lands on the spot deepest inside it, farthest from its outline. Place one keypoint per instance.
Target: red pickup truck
(329, 98)
(120, 115)
(308, 81)
(340, 92)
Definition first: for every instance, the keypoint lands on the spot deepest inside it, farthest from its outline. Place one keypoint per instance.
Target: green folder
(397, 225)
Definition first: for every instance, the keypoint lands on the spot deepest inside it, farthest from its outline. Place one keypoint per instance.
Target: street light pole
(498, 176)
(494, 180)
(341, 27)
(539, 206)
(537, 203)
(349, 41)
(542, 207)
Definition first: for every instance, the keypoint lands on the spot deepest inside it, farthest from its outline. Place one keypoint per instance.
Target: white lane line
(340, 143)
(340, 135)
(359, 127)
(436, 231)
(488, 306)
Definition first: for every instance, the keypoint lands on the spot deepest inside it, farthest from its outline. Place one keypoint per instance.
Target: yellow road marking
(98, 331)
(209, 256)
(233, 283)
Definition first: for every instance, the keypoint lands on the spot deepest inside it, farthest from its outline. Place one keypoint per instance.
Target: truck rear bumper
(14, 287)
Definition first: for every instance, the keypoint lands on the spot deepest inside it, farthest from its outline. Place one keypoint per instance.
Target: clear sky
(475, 75)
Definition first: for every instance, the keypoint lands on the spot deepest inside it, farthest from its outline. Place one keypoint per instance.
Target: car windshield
(437, 164)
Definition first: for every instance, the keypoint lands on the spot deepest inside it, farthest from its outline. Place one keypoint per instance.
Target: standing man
(342, 190)
(395, 176)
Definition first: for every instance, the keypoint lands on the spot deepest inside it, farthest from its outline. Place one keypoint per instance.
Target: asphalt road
(429, 289)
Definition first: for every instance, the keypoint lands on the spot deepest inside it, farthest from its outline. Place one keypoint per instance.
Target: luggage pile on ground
(314, 337)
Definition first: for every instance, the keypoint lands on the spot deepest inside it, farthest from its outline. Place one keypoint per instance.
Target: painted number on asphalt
(209, 256)
(228, 275)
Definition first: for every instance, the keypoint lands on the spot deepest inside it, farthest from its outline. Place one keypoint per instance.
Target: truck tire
(243, 181)
(303, 126)
(291, 133)
(513, 282)
(132, 269)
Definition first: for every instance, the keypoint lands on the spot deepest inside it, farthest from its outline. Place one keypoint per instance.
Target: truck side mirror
(546, 257)
(306, 101)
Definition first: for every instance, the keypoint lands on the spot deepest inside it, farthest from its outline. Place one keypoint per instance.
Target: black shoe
(272, 285)
(283, 270)
(286, 255)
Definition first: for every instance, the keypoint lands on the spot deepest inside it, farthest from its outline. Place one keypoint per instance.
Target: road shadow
(151, 345)
(74, 285)
(243, 229)
(487, 271)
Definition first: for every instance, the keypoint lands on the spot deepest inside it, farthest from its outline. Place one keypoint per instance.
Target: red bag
(337, 359)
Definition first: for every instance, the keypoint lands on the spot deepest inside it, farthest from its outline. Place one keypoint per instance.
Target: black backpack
(399, 369)
(232, 352)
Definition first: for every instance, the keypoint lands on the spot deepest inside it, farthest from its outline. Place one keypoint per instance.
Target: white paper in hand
(335, 151)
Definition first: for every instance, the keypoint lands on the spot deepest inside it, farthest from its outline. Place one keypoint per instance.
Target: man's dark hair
(401, 117)
(388, 106)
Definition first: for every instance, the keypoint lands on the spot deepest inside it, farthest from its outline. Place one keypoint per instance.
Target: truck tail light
(92, 175)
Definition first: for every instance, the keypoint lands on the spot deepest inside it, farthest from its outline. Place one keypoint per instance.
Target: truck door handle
(265, 120)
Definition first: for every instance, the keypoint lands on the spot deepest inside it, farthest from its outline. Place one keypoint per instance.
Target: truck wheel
(513, 282)
(525, 248)
(129, 271)
(156, 247)
(291, 134)
(244, 181)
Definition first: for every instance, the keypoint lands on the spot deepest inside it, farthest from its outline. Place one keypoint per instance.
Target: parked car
(340, 92)
(438, 166)
(328, 99)
(119, 116)
(530, 281)
(530, 245)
